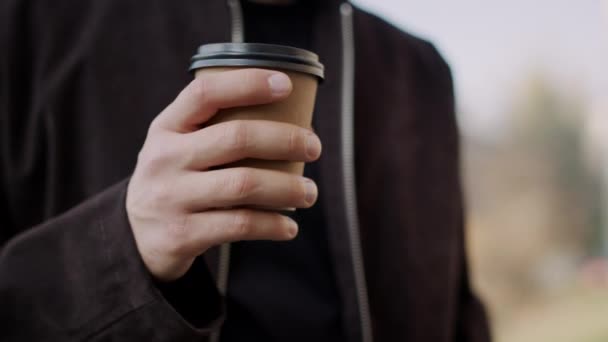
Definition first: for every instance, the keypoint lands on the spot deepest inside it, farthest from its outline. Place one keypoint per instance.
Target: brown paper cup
(296, 109)
(301, 66)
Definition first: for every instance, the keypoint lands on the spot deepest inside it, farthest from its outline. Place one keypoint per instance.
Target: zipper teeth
(237, 32)
(223, 268)
(222, 280)
(237, 36)
(348, 160)
(236, 13)
(236, 18)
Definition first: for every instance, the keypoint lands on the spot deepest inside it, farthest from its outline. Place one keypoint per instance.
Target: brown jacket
(79, 83)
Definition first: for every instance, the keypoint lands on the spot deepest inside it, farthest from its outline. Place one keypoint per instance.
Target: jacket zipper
(350, 195)
(237, 33)
(236, 21)
(237, 36)
(348, 168)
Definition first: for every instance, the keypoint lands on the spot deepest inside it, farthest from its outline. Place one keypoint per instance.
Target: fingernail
(279, 84)
(313, 147)
(311, 191)
(292, 227)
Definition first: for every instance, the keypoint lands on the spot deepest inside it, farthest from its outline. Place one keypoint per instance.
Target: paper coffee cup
(302, 67)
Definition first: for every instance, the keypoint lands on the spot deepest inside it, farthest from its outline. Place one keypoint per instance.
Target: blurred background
(532, 89)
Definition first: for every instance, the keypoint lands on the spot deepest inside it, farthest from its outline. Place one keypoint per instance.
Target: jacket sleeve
(79, 277)
(471, 317)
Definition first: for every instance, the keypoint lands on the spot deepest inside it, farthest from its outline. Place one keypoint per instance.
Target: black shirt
(277, 285)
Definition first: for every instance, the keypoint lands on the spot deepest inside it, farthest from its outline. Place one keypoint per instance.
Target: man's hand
(178, 206)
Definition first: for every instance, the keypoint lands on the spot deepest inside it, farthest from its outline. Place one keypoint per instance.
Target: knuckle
(199, 87)
(188, 155)
(158, 156)
(243, 223)
(177, 236)
(179, 226)
(174, 247)
(237, 136)
(155, 126)
(161, 198)
(242, 184)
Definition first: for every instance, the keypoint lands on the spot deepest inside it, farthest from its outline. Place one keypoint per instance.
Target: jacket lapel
(327, 42)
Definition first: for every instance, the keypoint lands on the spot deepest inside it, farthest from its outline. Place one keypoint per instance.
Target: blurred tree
(534, 208)
(548, 128)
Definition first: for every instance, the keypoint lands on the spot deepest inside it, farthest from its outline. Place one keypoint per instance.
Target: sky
(493, 46)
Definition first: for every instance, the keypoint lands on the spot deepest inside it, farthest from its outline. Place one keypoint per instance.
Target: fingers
(220, 226)
(173, 207)
(235, 140)
(188, 236)
(208, 93)
(241, 186)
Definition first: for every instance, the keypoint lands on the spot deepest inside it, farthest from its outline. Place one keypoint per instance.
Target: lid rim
(257, 55)
(256, 47)
(240, 62)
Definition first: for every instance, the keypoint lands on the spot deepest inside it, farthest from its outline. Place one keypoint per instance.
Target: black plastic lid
(257, 55)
